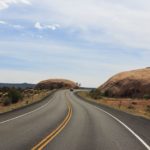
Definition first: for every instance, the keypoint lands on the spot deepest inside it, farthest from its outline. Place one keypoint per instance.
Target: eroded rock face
(134, 83)
(56, 84)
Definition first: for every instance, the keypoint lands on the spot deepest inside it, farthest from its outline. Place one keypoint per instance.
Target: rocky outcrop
(134, 84)
(56, 84)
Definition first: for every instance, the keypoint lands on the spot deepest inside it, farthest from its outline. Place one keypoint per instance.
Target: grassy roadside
(28, 100)
(133, 106)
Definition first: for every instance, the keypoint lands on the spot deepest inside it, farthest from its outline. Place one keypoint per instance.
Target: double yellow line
(41, 145)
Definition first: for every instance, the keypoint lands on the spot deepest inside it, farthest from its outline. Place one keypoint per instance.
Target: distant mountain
(17, 85)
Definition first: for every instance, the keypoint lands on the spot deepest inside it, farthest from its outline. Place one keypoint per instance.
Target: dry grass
(27, 100)
(134, 106)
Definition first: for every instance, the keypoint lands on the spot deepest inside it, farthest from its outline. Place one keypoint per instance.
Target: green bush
(106, 93)
(130, 107)
(14, 95)
(96, 94)
(148, 108)
(103, 94)
(7, 101)
(146, 96)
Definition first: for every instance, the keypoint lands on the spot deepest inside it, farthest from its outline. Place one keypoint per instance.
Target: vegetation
(130, 107)
(15, 95)
(148, 108)
(140, 107)
(7, 101)
(96, 94)
(13, 98)
(134, 103)
(146, 96)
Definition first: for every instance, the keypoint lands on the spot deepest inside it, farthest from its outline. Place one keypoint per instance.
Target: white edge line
(129, 129)
(26, 113)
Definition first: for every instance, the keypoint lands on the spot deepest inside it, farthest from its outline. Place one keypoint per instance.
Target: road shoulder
(139, 125)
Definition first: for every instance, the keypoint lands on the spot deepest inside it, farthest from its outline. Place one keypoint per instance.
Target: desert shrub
(130, 107)
(134, 103)
(148, 108)
(14, 95)
(96, 94)
(5, 89)
(1, 94)
(146, 96)
(7, 101)
(107, 93)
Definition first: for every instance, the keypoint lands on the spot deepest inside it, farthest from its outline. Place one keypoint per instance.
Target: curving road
(86, 127)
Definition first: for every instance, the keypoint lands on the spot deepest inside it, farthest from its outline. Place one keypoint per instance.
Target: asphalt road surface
(65, 122)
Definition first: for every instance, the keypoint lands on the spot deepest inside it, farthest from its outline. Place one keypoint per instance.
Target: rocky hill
(56, 84)
(132, 84)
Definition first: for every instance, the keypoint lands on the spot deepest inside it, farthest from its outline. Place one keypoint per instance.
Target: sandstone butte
(56, 84)
(134, 84)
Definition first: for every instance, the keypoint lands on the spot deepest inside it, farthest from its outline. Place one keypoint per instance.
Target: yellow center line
(41, 145)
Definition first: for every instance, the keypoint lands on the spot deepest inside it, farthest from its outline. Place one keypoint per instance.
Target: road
(65, 122)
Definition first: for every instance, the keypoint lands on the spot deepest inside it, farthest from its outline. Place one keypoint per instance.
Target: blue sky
(87, 41)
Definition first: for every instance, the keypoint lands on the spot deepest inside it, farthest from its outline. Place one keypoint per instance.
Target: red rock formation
(134, 83)
(56, 84)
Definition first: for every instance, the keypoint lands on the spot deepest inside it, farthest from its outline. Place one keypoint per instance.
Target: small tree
(14, 95)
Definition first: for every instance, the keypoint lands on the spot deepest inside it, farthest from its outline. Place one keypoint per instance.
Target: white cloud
(41, 27)
(26, 2)
(52, 27)
(3, 22)
(3, 5)
(6, 3)
(15, 26)
(124, 23)
(38, 26)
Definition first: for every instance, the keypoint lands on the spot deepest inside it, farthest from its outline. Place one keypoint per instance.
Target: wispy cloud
(122, 23)
(6, 3)
(102, 21)
(10, 25)
(17, 26)
(3, 22)
(50, 60)
(39, 26)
